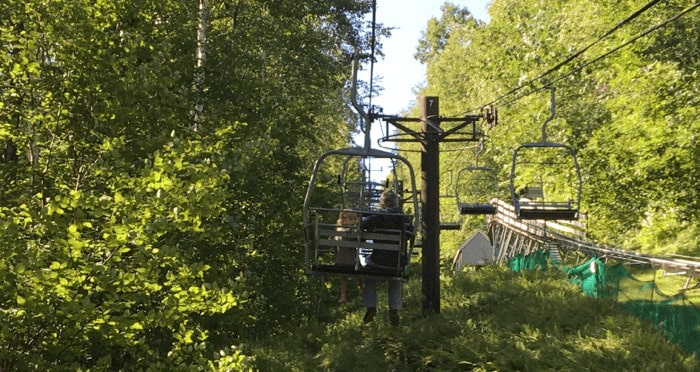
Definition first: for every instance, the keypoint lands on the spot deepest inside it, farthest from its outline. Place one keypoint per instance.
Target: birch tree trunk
(199, 66)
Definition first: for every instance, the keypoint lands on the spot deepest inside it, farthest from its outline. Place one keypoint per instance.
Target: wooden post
(430, 204)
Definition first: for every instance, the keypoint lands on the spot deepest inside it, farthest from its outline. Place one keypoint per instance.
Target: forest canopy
(155, 154)
(626, 85)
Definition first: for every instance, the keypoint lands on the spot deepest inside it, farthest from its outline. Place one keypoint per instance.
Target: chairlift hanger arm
(353, 89)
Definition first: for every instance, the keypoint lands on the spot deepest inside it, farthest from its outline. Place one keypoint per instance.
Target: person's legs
(370, 298)
(343, 289)
(370, 294)
(395, 287)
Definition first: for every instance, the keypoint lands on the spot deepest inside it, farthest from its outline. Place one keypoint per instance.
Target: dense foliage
(492, 319)
(627, 104)
(152, 176)
(155, 156)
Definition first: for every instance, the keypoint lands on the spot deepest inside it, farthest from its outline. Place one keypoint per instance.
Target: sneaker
(394, 317)
(369, 314)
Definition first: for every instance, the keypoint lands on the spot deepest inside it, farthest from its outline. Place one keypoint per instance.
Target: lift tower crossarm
(439, 134)
(430, 136)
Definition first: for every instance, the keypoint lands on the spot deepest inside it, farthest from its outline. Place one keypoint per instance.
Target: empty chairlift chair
(476, 187)
(545, 179)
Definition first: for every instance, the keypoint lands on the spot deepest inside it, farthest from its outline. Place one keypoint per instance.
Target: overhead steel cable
(532, 82)
(602, 56)
(630, 41)
(373, 47)
(573, 56)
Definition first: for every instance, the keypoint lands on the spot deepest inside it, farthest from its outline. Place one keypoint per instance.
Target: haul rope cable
(606, 54)
(567, 60)
(561, 64)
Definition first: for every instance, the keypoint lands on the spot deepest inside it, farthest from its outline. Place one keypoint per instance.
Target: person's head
(347, 217)
(389, 199)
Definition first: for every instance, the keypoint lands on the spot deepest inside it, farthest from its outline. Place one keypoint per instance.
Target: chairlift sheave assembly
(545, 179)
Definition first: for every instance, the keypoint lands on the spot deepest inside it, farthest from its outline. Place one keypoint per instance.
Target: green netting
(533, 261)
(676, 316)
(680, 322)
(597, 279)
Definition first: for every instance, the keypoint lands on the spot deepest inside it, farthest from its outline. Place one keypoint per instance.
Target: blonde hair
(389, 199)
(345, 215)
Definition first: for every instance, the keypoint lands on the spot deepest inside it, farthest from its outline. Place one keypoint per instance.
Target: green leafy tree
(150, 214)
(628, 112)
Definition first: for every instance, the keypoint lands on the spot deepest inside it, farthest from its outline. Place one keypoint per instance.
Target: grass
(490, 320)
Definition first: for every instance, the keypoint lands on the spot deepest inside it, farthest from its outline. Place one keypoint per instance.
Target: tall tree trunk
(201, 56)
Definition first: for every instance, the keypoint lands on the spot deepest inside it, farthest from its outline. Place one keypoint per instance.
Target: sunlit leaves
(629, 116)
(135, 242)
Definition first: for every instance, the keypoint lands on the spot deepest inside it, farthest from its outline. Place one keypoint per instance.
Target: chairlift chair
(327, 196)
(545, 179)
(476, 188)
(545, 182)
(357, 190)
(479, 186)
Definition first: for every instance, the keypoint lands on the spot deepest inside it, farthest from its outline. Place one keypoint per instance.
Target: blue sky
(400, 72)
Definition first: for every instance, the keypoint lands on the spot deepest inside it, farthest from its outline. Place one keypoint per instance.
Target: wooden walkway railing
(512, 237)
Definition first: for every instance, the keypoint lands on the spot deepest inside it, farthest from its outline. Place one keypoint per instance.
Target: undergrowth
(492, 319)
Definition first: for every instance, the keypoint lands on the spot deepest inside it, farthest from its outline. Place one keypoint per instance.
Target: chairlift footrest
(351, 271)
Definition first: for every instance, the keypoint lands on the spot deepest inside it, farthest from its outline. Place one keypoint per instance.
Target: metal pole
(430, 204)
